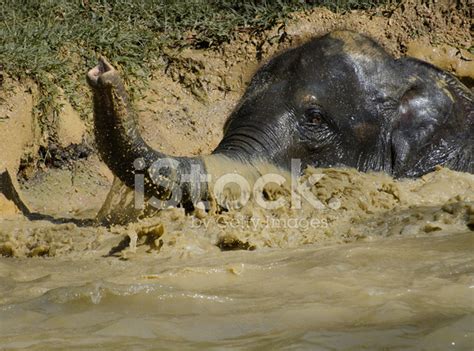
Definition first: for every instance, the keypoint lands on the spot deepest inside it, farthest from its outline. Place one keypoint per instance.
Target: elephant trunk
(122, 148)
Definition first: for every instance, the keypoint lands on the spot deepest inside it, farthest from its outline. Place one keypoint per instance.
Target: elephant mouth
(102, 70)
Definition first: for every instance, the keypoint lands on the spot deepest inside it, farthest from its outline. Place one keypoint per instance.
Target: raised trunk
(126, 153)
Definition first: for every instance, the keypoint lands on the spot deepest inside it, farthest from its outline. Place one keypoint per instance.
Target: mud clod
(56, 156)
(230, 243)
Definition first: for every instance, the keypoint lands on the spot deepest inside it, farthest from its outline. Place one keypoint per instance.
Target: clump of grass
(54, 42)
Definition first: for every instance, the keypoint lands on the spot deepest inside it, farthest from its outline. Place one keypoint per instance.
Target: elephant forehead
(358, 46)
(371, 64)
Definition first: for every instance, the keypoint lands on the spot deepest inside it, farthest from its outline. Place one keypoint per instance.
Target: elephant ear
(435, 91)
(427, 101)
(429, 129)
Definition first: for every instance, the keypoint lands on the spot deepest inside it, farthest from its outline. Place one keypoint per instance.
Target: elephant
(338, 100)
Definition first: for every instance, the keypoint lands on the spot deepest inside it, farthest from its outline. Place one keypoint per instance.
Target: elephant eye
(314, 115)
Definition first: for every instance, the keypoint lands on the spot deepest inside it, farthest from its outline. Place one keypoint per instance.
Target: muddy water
(401, 293)
(390, 267)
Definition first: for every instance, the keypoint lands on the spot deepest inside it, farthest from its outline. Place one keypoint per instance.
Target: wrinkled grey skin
(338, 100)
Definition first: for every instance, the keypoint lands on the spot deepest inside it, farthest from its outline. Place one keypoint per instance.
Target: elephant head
(339, 100)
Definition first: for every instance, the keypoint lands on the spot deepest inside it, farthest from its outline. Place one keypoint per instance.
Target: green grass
(54, 42)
